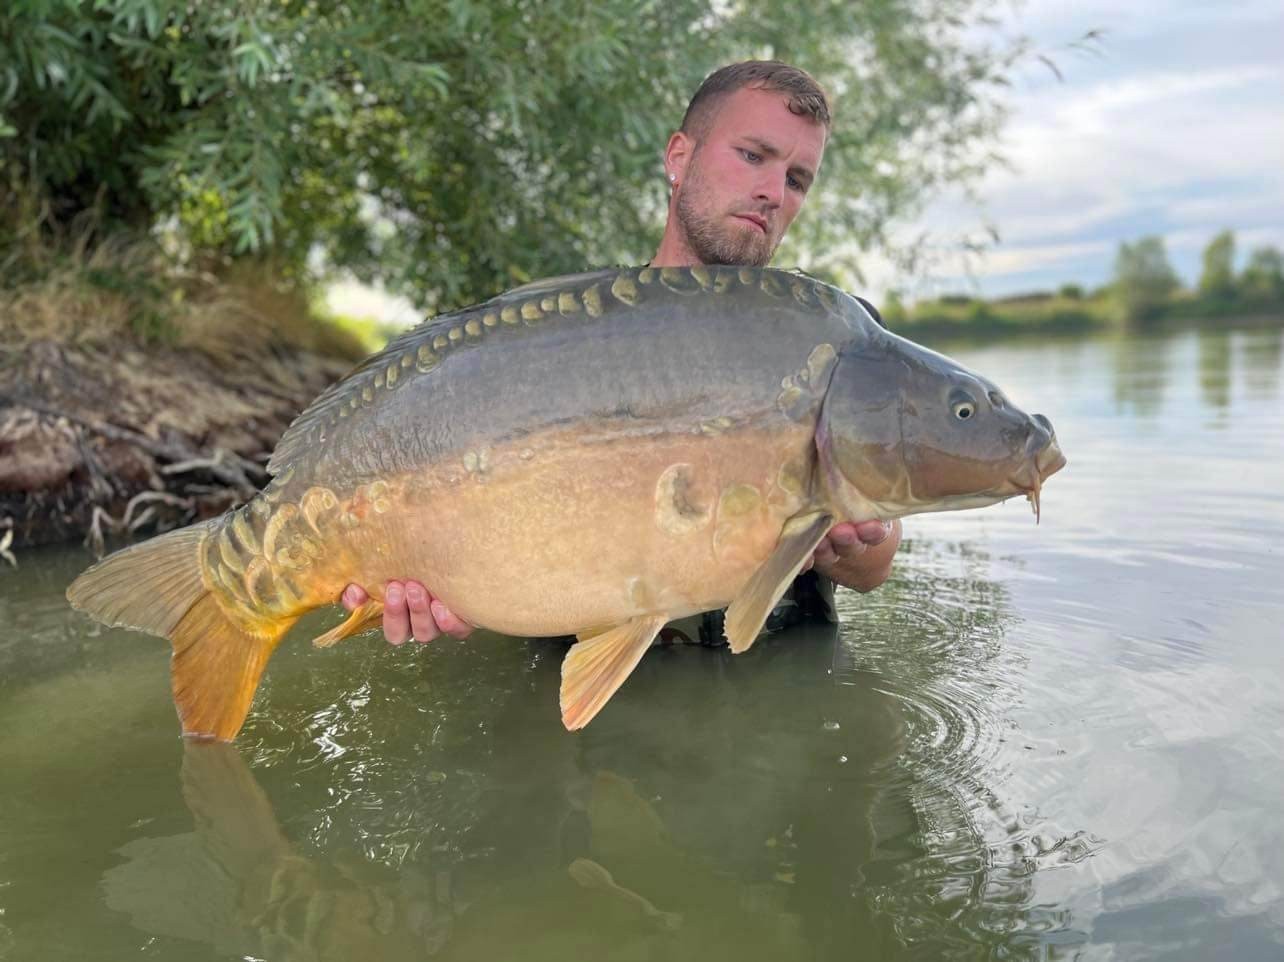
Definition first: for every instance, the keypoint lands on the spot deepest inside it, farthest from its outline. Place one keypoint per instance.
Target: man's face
(747, 177)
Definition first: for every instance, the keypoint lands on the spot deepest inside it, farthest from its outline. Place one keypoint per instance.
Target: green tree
(1218, 278)
(450, 148)
(1144, 281)
(1262, 280)
(893, 309)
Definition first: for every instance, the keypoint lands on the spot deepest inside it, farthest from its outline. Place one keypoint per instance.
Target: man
(739, 169)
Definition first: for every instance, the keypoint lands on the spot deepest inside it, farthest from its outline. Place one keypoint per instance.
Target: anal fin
(597, 666)
(366, 616)
(748, 612)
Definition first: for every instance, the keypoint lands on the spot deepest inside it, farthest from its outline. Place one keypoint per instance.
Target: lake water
(1051, 742)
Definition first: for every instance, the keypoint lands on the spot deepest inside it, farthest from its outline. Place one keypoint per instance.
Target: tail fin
(156, 586)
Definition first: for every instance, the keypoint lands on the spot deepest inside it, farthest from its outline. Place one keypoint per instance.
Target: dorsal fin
(302, 431)
(422, 348)
(552, 284)
(578, 298)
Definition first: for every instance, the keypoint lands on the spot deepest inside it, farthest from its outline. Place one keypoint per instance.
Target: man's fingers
(843, 535)
(353, 597)
(840, 544)
(409, 611)
(873, 532)
(448, 622)
(422, 624)
(396, 616)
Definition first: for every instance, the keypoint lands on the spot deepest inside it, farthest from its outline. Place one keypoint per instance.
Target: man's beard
(716, 242)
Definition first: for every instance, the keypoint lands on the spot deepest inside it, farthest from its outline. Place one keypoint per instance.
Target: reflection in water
(1260, 356)
(1142, 368)
(1214, 369)
(819, 794)
(239, 885)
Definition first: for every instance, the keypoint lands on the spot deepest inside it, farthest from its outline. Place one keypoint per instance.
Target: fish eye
(964, 409)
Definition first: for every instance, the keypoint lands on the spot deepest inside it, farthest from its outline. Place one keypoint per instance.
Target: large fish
(595, 455)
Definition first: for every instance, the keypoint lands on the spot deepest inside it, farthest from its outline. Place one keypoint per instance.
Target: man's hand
(858, 555)
(409, 611)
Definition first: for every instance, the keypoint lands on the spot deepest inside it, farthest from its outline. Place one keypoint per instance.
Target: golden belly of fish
(575, 536)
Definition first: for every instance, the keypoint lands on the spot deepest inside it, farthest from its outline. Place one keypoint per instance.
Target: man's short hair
(806, 98)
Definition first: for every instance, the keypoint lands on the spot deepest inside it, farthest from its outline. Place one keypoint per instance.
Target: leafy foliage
(450, 148)
(1262, 280)
(1218, 278)
(1144, 279)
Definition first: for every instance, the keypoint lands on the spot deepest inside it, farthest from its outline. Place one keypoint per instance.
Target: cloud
(1176, 129)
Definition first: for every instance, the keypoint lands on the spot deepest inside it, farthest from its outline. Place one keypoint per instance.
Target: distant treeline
(1144, 289)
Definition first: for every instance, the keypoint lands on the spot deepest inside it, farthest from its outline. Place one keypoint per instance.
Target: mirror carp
(597, 455)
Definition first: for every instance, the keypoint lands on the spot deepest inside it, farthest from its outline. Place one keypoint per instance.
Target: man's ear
(677, 155)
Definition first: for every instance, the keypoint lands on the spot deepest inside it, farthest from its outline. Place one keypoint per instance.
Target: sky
(1174, 125)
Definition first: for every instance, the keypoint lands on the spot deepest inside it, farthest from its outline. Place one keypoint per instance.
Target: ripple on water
(383, 748)
(937, 638)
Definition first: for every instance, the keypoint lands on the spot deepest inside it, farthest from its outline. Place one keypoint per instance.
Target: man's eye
(750, 156)
(796, 184)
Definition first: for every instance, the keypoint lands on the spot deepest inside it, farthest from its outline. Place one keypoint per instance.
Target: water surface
(1051, 742)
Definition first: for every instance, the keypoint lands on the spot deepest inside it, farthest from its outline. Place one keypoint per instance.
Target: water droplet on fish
(842, 759)
(832, 726)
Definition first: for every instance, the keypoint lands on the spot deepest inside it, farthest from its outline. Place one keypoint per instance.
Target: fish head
(905, 430)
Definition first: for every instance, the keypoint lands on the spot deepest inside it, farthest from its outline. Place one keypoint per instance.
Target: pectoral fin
(592, 875)
(748, 612)
(368, 615)
(596, 666)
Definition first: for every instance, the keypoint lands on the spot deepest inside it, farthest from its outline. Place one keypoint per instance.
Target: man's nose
(770, 189)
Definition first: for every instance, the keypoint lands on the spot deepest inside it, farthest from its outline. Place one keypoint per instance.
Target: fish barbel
(597, 455)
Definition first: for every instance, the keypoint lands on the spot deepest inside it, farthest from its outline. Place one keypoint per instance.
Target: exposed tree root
(121, 442)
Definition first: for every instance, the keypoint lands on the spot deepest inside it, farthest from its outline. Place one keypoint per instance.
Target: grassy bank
(1048, 314)
(1031, 314)
(130, 292)
(138, 392)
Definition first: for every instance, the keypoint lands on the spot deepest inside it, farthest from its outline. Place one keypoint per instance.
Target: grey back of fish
(636, 347)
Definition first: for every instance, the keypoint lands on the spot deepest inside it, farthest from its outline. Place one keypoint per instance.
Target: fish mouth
(1029, 480)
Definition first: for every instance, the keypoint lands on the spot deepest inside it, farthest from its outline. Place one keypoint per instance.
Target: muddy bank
(117, 439)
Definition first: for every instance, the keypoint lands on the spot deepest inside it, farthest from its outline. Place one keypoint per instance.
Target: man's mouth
(755, 220)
